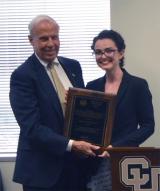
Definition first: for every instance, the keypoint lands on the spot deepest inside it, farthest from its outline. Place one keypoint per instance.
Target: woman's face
(107, 54)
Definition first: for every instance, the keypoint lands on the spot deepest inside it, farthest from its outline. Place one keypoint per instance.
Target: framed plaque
(89, 116)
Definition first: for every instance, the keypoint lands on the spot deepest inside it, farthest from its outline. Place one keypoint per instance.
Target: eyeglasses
(106, 52)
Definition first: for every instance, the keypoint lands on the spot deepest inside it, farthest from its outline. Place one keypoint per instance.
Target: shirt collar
(45, 64)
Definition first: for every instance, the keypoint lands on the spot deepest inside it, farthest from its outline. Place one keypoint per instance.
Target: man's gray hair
(38, 19)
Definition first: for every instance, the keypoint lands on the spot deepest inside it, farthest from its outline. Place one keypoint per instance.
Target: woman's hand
(105, 154)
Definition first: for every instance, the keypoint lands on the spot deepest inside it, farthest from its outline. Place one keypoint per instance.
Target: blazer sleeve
(145, 113)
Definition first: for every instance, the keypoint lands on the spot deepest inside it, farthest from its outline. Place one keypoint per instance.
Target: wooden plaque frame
(89, 116)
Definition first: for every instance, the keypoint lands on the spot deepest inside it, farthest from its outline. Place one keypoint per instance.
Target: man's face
(45, 40)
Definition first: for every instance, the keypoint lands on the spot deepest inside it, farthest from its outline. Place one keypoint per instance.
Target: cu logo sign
(137, 173)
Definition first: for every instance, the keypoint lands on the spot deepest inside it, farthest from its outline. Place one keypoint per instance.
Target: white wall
(7, 173)
(139, 23)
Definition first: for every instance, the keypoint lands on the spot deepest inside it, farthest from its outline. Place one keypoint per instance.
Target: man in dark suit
(46, 160)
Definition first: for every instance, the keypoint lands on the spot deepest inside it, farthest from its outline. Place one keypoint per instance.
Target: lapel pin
(73, 75)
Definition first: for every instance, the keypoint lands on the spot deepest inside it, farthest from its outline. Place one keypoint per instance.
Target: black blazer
(42, 147)
(134, 116)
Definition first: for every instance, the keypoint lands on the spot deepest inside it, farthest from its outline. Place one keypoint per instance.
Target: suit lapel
(47, 86)
(67, 70)
(123, 87)
(101, 86)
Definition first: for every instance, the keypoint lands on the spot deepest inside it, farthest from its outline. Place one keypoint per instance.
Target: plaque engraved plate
(89, 116)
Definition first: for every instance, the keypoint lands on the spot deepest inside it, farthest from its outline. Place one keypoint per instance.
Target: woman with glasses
(134, 116)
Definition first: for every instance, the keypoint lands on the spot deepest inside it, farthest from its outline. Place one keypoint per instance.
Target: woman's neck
(113, 81)
(114, 75)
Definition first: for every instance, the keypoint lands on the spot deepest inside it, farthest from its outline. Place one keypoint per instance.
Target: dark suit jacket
(41, 150)
(134, 117)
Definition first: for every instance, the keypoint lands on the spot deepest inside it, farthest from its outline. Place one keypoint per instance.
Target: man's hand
(84, 148)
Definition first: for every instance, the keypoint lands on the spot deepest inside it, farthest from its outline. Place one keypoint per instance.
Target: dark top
(134, 116)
